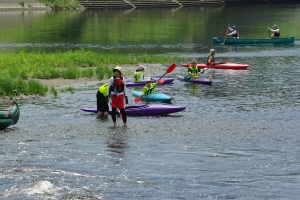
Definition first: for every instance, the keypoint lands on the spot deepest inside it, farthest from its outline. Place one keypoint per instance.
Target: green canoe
(9, 116)
(220, 40)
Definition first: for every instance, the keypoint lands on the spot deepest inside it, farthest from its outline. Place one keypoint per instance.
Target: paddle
(169, 70)
(225, 35)
(269, 33)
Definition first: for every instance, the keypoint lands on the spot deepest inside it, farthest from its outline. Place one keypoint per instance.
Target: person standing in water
(118, 93)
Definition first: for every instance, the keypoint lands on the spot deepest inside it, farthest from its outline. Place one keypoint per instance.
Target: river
(237, 138)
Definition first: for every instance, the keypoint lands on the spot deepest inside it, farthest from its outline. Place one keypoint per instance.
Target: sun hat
(148, 79)
(118, 68)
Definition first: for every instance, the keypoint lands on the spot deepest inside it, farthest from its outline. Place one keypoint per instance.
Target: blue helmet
(234, 27)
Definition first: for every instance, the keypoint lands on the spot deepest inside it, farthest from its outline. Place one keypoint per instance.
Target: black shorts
(102, 104)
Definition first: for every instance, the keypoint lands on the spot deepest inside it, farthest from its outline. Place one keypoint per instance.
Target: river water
(236, 139)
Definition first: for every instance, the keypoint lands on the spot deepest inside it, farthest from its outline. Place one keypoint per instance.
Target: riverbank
(16, 5)
(60, 84)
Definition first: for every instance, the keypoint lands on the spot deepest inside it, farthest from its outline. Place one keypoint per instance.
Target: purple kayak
(143, 83)
(145, 109)
(198, 80)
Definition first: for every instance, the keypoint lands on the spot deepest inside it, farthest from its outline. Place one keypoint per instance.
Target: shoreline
(60, 83)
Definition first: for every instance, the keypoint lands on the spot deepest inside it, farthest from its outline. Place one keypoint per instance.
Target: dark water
(237, 139)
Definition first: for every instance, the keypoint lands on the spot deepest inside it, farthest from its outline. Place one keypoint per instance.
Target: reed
(17, 69)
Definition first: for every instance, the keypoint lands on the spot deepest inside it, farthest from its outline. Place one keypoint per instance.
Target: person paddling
(276, 32)
(139, 74)
(193, 70)
(117, 92)
(234, 33)
(149, 87)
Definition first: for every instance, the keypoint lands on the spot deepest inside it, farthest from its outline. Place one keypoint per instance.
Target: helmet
(212, 50)
(194, 61)
(274, 26)
(234, 27)
(118, 68)
(148, 79)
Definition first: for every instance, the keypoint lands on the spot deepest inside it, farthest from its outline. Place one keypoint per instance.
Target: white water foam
(40, 187)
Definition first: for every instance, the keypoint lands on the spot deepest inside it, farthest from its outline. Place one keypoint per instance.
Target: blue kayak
(153, 97)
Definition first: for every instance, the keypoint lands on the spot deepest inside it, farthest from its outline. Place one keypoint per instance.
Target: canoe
(219, 40)
(227, 65)
(199, 80)
(143, 83)
(9, 116)
(145, 109)
(153, 97)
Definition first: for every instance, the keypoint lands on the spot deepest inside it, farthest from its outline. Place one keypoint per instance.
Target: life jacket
(236, 34)
(136, 77)
(194, 70)
(103, 89)
(149, 90)
(213, 60)
(117, 85)
(277, 34)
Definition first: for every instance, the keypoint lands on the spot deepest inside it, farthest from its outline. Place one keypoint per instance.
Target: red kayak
(224, 65)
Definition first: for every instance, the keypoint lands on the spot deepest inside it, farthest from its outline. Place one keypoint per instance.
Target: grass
(61, 4)
(17, 69)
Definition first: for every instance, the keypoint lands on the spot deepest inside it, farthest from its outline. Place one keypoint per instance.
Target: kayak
(145, 109)
(226, 65)
(199, 80)
(143, 83)
(9, 116)
(153, 97)
(220, 40)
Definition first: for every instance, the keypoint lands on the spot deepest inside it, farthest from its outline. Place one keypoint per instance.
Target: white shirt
(110, 83)
(233, 32)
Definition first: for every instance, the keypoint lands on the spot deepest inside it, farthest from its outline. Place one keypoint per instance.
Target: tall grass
(17, 68)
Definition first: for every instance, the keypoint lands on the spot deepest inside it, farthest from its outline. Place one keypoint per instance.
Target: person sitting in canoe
(234, 33)
(139, 74)
(276, 32)
(149, 87)
(193, 70)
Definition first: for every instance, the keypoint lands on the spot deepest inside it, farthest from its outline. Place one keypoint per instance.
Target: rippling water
(237, 139)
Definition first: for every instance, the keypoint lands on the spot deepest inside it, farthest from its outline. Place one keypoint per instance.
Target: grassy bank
(61, 4)
(16, 69)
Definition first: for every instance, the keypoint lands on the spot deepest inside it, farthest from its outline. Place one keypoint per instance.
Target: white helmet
(148, 79)
(118, 68)
(212, 50)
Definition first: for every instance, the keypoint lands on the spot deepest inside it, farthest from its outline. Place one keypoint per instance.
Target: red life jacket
(276, 34)
(117, 84)
(236, 34)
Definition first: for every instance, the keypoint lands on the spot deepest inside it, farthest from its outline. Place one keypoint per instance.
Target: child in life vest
(118, 94)
(149, 87)
(102, 103)
(139, 74)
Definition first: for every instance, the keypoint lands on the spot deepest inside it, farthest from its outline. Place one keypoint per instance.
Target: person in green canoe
(149, 87)
(276, 32)
(139, 74)
(234, 33)
(193, 70)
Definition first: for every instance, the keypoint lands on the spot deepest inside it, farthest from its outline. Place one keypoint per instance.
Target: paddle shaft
(226, 34)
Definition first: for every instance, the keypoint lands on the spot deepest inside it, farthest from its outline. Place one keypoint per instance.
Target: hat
(274, 26)
(148, 80)
(212, 50)
(141, 67)
(194, 61)
(234, 27)
(118, 68)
